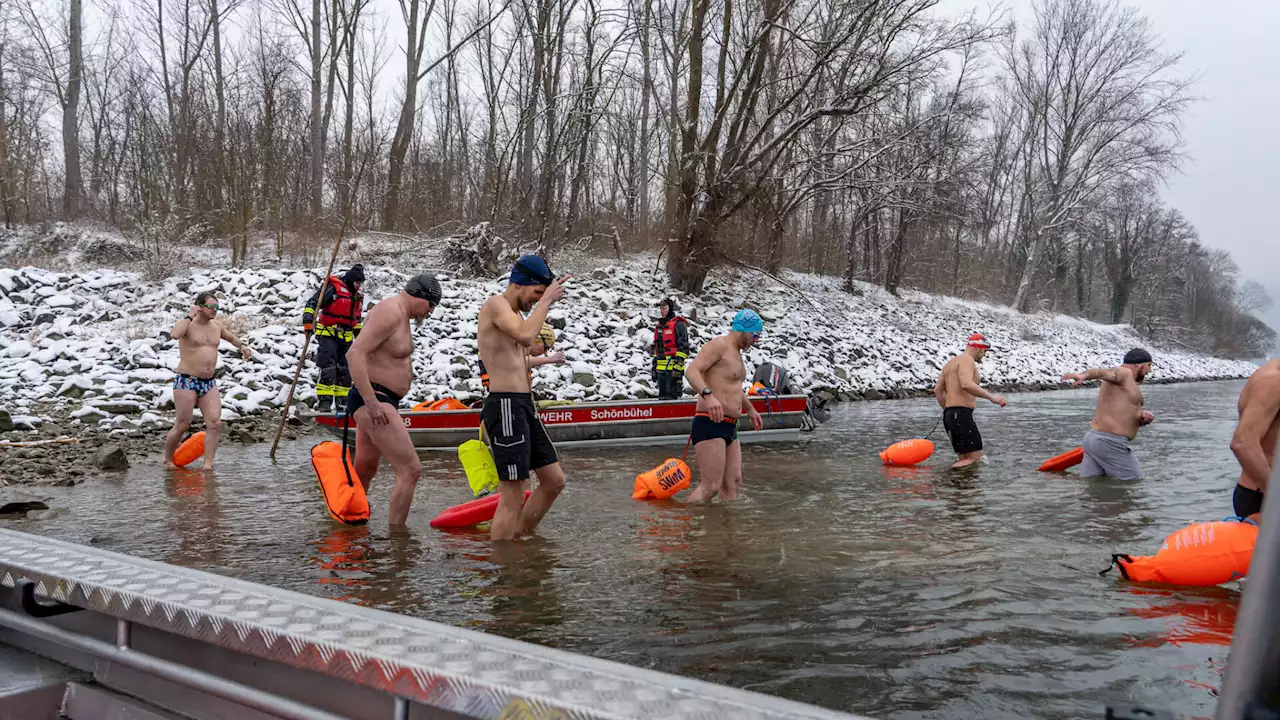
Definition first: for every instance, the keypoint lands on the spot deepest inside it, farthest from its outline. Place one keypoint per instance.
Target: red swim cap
(978, 340)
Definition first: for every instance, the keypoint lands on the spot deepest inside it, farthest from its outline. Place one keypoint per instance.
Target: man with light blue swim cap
(716, 375)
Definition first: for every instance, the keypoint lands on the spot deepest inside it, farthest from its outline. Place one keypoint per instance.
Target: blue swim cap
(747, 321)
(531, 270)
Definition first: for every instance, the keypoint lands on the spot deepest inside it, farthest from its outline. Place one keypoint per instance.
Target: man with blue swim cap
(716, 375)
(517, 438)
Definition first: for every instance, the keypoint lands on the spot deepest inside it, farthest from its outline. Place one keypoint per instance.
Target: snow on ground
(96, 342)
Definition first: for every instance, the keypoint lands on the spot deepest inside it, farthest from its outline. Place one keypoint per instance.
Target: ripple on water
(893, 592)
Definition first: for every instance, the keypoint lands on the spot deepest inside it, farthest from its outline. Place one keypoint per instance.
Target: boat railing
(205, 645)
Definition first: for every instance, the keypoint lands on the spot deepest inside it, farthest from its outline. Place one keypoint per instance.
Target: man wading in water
(198, 336)
(1254, 442)
(957, 392)
(1117, 419)
(380, 361)
(716, 375)
(519, 442)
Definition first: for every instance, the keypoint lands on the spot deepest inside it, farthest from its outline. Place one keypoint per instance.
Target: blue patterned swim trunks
(197, 385)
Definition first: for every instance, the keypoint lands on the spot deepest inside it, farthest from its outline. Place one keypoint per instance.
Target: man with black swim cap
(1254, 442)
(1117, 419)
(518, 440)
(381, 373)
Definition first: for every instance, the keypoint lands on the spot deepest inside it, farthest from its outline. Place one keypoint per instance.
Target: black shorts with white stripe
(517, 438)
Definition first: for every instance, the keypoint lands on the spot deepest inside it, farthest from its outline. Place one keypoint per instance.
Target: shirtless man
(1117, 419)
(519, 442)
(1254, 442)
(957, 392)
(716, 375)
(198, 336)
(381, 367)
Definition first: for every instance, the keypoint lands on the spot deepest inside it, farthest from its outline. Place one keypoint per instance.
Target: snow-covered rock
(98, 341)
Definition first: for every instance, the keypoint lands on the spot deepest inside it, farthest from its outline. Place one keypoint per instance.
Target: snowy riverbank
(90, 349)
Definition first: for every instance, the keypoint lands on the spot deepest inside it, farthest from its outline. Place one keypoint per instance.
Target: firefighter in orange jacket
(670, 350)
(337, 326)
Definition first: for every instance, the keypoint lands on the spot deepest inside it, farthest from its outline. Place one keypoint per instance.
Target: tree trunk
(73, 187)
(1120, 298)
(317, 131)
(404, 126)
(691, 257)
(641, 181)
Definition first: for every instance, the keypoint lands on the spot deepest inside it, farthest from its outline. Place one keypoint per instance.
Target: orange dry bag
(662, 482)
(190, 450)
(907, 452)
(1058, 463)
(344, 495)
(1202, 554)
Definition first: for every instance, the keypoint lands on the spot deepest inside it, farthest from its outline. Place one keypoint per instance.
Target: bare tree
(1100, 102)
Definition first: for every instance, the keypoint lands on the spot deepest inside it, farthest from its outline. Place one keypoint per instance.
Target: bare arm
(554, 358)
(227, 335)
(180, 328)
(706, 359)
(379, 328)
(940, 390)
(1247, 441)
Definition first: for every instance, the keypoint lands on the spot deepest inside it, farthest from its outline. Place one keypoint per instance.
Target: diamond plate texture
(466, 671)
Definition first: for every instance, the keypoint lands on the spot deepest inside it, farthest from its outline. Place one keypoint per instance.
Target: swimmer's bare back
(1258, 429)
(953, 381)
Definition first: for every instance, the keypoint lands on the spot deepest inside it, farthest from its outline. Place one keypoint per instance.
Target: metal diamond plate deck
(452, 668)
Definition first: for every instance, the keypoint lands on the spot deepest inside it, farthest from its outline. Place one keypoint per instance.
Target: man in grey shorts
(1117, 419)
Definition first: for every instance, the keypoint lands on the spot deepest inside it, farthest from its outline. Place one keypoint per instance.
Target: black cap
(670, 304)
(1137, 356)
(354, 275)
(424, 286)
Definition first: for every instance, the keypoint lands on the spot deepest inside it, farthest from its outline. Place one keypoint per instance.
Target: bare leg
(507, 518)
(550, 483)
(183, 402)
(367, 452)
(396, 446)
(711, 458)
(210, 405)
(967, 459)
(732, 472)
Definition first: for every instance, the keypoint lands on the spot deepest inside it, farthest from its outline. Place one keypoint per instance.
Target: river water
(894, 593)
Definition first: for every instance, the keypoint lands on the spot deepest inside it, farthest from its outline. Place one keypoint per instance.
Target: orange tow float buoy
(1058, 463)
(907, 452)
(470, 514)
(1202, 554)
(662, 482)
(344, 494)
(190, 450)
(441, 404)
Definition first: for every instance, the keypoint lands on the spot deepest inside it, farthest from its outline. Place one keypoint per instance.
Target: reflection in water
(196, 518)
(890, 592)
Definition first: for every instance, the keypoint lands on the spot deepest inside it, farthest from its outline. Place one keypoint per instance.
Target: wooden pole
(302, 359)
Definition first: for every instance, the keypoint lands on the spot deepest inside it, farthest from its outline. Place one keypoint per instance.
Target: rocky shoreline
(50, 456)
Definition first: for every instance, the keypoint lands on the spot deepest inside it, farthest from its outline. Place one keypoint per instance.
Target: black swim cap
(1137, 356)
(426, 287)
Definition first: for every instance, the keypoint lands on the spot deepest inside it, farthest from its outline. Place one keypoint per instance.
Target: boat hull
(602, 424)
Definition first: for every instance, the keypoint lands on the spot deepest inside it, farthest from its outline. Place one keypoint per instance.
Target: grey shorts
(1110, 455)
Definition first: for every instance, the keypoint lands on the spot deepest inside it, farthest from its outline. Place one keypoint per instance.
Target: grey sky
(1230, 188)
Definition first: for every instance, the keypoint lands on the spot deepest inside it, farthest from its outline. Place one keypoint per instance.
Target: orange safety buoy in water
(343, 492)
(662, 482)
(1058, 463)
(907, 452)
(190, 450)
(1202, 554)
(470, 514)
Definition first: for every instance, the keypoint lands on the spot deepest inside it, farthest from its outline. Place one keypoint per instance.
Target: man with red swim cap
(957, 392)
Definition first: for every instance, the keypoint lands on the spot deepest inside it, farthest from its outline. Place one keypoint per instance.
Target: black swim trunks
(355, 402)
(962, 430)
(704, 428)
(516, 436)
(1246, 501)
